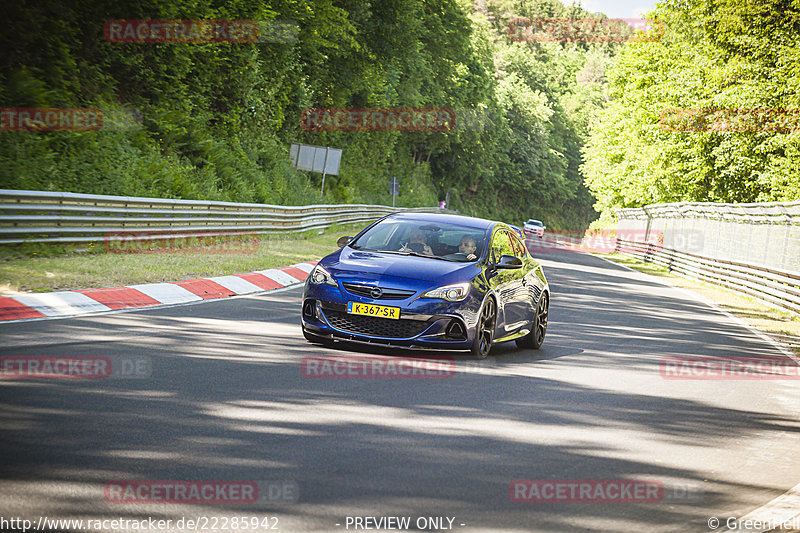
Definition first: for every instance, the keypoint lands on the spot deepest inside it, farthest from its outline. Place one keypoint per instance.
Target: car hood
(349, 260)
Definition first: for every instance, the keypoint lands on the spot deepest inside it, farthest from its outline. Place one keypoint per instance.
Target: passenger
(467, 247)
(417, 237)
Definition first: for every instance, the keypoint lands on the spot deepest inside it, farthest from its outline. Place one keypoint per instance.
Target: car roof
(533, 221)
(472, 222)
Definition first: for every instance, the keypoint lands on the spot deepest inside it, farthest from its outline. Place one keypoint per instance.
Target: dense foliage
(215, 120)
(736, 58)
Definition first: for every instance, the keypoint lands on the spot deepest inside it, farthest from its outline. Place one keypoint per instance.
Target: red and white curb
(90, 301)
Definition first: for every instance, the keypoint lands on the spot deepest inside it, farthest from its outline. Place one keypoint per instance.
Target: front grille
(387, 294)
(374, 326)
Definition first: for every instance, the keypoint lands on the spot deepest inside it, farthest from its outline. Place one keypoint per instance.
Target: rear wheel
(535, 338)
(484, 331)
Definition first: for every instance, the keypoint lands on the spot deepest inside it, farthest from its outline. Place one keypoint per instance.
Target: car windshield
(535, 222)
(450, 242)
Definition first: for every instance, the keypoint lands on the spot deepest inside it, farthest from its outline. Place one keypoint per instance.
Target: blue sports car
(430, 281)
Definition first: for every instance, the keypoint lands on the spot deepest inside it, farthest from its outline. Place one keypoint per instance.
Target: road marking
(305, 267)
(31, 307)
(205, 288)
(278, 275)
(295, 272)
(64, 303)
(119, 297)
(261, 281)
(13, 310)
(236, 284)
(166, 293)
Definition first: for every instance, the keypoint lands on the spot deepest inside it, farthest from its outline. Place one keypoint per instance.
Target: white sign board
(332, 163)
(320, 159)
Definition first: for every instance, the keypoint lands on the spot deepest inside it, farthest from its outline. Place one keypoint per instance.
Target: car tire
(535, 338)
(484, 329)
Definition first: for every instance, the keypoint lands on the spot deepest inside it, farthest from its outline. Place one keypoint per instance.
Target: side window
(519, 248)
(501, 245)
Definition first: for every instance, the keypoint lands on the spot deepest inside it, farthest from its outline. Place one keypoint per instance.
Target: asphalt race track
(222, 396)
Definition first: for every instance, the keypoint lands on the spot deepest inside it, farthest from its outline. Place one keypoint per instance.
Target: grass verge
(55, 268)
(783, 327)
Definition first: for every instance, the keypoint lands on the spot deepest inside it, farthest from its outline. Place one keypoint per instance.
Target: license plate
(373, 310)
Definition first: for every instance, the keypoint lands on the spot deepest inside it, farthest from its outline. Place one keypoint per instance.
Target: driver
(417, 237)
(467, 247)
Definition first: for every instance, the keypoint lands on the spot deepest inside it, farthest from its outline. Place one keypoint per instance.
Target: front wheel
(484, 330)
(535, 338)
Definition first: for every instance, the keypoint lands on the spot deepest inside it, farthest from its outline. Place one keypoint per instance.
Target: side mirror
(509, 262)
(343, 241)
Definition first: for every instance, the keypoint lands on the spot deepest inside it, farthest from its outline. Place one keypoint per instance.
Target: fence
(62, 217)
(753, 249)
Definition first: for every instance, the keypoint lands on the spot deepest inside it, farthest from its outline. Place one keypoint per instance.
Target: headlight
(320, 276)
(451, 293)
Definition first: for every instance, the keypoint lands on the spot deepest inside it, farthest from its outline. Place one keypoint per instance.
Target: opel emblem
(376, 292)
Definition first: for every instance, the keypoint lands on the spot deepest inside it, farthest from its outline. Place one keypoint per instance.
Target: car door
(529, 295)
(507, 283)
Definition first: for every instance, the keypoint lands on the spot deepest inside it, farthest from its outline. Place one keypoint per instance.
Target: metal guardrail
(757, 213)
(776, 288)
(63, 217)
(766, 233)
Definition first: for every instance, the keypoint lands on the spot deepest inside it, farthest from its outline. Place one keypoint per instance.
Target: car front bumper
(423, 323)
